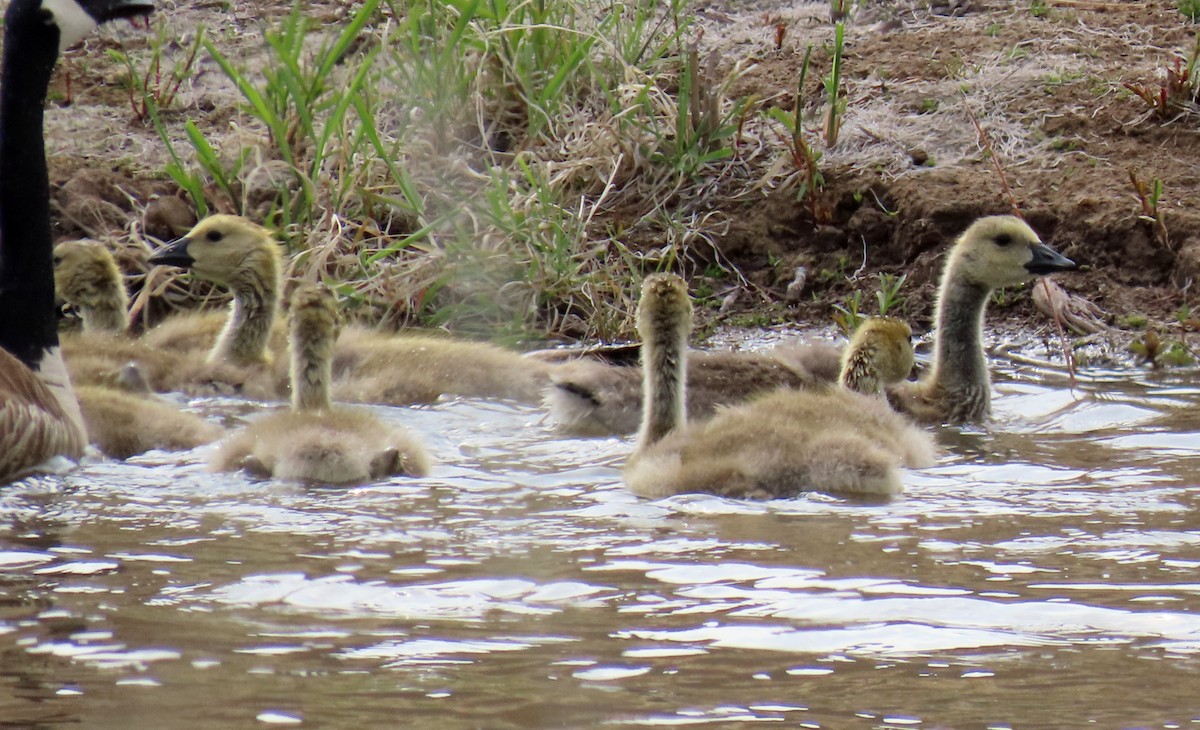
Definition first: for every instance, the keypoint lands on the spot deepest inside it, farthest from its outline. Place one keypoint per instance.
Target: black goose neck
(27, 326)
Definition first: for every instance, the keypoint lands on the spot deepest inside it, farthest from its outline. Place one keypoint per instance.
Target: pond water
(1044, 574)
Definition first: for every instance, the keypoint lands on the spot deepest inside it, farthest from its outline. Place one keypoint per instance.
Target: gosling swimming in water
(994, 252)
(828, 439)
(316, 440)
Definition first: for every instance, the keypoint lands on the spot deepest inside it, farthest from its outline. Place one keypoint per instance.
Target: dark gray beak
(1046, 261)
(106, 10)
(174, 253)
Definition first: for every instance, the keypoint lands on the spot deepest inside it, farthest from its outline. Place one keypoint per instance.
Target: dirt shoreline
(1046, 81)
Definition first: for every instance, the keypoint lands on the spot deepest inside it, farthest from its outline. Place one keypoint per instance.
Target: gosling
(368, 366)
(994, 252)
(104, 363)
(87, 278)
(828, 439)
(589, 397)
(315, 441)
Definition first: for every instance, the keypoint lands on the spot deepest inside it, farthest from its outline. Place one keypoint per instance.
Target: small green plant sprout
(1190, 9)
(702, 130)
(888, 296)
(848, 315)
(833, 90)
(1039, 8)
(804, 157)
(1133, 322)
(1177, 354)
(1177, 92)
(152, 89)
(1150, 196)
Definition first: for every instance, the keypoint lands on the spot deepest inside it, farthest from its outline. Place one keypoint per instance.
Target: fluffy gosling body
(123, 424)
(402, 369)
(588, 397)
(994, 252)
(828, 439)
(316, 441)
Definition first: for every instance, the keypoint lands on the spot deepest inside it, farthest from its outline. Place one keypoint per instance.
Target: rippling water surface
(1044, 574)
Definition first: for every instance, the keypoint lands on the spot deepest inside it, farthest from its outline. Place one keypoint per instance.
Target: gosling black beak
(1046, 261)
(106, 10)
(174, 253)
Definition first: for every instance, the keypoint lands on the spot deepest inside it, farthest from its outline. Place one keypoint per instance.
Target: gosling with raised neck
(828, 439)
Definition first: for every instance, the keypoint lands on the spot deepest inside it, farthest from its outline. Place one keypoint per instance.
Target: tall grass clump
(156, 86)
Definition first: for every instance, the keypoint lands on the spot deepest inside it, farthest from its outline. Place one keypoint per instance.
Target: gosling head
(879, 354)
(665, 308)
(1002, 250)
(888, 342)
(313, 310)
(86, 275)
(220, 248)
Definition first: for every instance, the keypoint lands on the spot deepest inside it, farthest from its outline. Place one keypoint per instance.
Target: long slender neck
(312, 364)
(252, 314)
(27, 326)
(959, 364)
(664, 382)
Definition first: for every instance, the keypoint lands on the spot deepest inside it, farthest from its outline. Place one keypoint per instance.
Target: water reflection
(1043, 569)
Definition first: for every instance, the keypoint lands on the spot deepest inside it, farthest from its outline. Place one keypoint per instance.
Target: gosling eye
(213, 236)
(1003, 239)
(57, 260)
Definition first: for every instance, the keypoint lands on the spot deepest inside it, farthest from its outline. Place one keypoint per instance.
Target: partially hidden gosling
(994, 252)
(123, 424)
(589, 397)
(316, 441)
(880, 352)
(369, 366)
(87, 278)
(105, 363)
(828, 439)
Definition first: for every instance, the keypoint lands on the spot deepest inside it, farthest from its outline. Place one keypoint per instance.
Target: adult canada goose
(589, 397)
(994, 252)
(369, 366)
(39, 414)
(316, 441)
(828, 438)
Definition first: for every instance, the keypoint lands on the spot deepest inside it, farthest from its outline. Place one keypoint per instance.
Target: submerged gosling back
(880, 353)
(664, 321)
(87, 278)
